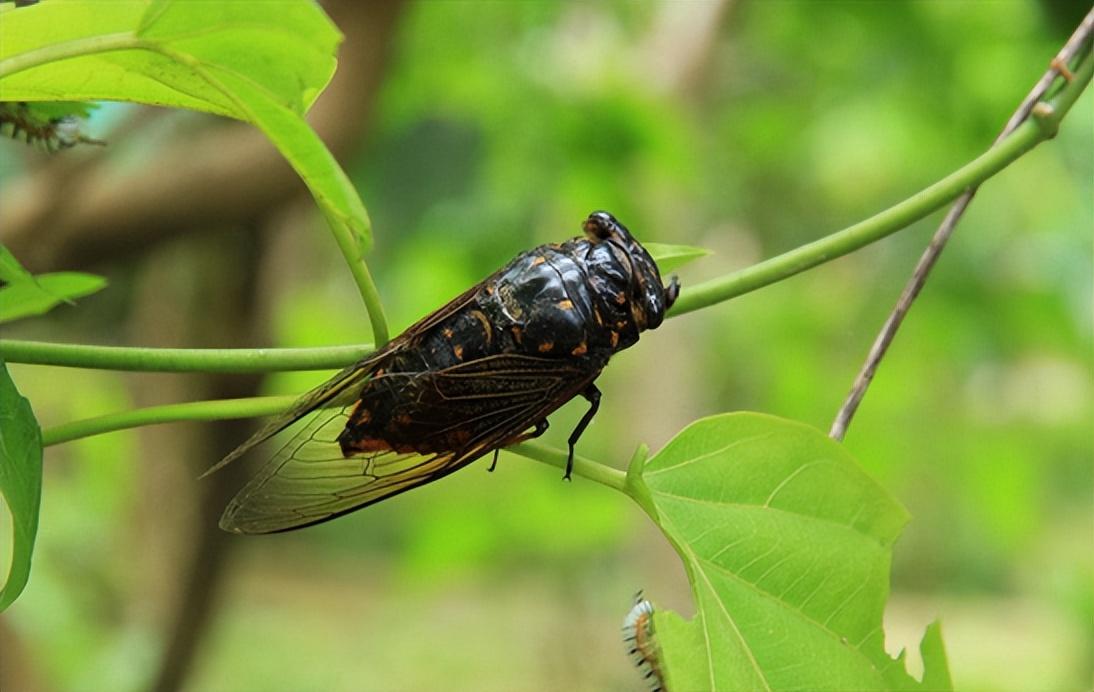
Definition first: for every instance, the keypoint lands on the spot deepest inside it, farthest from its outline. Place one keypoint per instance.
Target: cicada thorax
(568, 306)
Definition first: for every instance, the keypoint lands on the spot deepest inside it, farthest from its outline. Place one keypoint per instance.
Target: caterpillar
(34, 125)
(640, 644)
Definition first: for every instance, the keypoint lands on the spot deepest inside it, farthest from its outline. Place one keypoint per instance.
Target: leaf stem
(584, 467)
(353, 254)
(210, 360)
(253, 407)
(68, 49)
(222, 409)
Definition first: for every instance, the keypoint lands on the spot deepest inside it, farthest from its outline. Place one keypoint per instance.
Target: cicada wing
(464, 412)
(310, 481)
(341, 390)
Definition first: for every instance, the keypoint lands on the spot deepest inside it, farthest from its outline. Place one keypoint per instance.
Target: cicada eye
(599, 225)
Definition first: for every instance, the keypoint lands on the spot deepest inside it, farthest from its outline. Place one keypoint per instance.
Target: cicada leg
(593, 395)
(541, 427)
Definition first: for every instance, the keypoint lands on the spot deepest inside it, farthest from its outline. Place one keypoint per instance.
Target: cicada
(481, 373)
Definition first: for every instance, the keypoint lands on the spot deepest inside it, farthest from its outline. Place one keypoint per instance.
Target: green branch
(181, 359)
(227, 409)
(1041, 127)
(221, 409)
(584, 467)
(352, 253)
(68, 49)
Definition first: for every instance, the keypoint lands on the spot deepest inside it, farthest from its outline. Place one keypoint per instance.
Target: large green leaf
(261, 62)
(20, 481)
(787, 544)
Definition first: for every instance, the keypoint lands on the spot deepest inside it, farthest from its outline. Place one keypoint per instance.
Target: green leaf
(261, 62)
(40, 293)
(787, 544)
(671, 257)
(20, 481)
(52, 110)
(11, 271)
(936, 669)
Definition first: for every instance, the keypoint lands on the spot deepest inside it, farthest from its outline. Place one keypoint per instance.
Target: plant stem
(253, 407)
(586, 468)
(181, 359)
(69, 49)
(941, 236)
(1028, 135)
(222, 409)
(352, 253)
(1042, 126)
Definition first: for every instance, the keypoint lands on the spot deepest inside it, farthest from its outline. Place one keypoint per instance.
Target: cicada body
(480, 373)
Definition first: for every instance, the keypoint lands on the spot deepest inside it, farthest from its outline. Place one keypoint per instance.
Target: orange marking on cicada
(368, 444)
(546, 346)
(566, 304)
(487, 328)
(581, 349)
(458, 350)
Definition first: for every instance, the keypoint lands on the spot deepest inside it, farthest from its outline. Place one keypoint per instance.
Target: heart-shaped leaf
(787, 544)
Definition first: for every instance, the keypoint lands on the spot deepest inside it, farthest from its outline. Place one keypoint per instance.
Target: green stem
(352, 253)
(225, 409)
(1028, 135)
(586, 468)
(181, 359)
(222, 409)
(68, 49)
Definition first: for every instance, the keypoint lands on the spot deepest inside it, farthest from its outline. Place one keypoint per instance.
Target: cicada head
(637, 272)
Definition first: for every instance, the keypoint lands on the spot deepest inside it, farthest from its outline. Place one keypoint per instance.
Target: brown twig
(1058, 67)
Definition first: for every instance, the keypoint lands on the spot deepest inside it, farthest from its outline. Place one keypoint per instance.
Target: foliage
(787, 544)
(187, 55)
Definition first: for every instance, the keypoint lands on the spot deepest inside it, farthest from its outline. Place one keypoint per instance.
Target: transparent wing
(464, 411)
(340, 390)
(309, 481)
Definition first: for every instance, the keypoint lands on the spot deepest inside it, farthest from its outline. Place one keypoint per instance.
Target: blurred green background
(744, 127)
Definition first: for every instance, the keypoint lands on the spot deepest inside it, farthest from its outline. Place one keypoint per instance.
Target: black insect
(481, 373)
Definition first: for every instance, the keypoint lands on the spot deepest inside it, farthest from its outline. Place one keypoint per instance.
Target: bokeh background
(477, 130)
